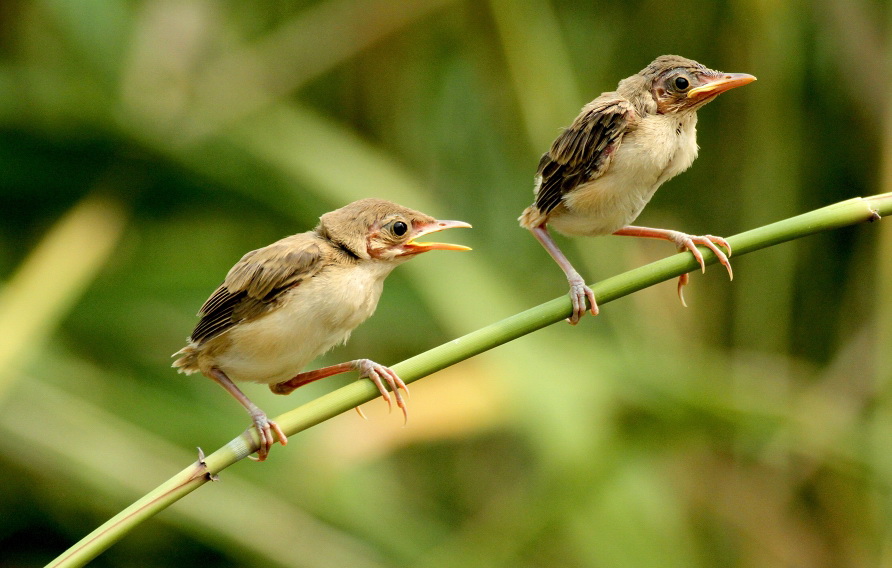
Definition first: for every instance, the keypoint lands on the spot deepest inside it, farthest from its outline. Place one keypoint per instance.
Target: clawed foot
(376, 372)
(688, 242)
(266, 428)
(579, 292)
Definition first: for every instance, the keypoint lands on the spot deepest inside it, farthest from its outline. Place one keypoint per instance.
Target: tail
(532, 217)
(188, 361)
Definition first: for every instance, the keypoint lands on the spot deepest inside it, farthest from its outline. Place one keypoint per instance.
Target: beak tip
(453, 225)
(721, 84)
(436, 227)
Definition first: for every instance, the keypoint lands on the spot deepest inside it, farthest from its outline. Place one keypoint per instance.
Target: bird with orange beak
(601, 171)
(283, 305)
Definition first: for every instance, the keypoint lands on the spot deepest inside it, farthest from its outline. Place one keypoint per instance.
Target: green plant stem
(841, 214)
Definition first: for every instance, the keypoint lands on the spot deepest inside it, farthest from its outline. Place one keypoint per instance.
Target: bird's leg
(684, 241)
(367, 369)
(578, 289)
(265, 426)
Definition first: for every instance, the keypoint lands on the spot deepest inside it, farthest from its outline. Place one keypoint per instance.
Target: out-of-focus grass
(53, 278)
(750, 429)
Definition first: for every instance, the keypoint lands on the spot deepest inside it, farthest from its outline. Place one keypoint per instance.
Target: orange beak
(720, 84)
(414, 247)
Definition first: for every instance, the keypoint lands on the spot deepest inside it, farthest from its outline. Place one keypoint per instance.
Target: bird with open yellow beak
(283, 305)
(601, 171)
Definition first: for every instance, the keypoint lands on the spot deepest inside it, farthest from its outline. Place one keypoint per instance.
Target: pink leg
(367, 369)
(265, 426)
(684, 241)
(579, 292)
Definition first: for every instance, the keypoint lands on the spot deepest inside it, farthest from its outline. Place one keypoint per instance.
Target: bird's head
(378, 229)
(678, 84)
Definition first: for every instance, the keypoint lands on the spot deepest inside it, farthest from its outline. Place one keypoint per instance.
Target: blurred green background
(146, 145)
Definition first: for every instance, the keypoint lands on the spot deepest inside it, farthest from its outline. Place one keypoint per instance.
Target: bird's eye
(400, 228)
(681, 83)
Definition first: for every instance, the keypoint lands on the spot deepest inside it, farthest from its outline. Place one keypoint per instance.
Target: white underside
(278, 345)
(615, 199)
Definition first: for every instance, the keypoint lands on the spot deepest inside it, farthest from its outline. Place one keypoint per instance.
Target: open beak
(720, 84)
(414, 247)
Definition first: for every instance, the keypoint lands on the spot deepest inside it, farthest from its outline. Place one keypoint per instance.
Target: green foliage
(144, 146)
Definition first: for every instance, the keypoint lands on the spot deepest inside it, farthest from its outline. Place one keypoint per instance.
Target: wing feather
(254, 283)
(583, 151)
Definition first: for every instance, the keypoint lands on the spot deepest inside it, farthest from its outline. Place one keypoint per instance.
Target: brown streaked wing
(255, 281)
(583, 151)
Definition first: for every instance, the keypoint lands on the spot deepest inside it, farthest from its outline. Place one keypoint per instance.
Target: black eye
(400, 228)
(681, 83)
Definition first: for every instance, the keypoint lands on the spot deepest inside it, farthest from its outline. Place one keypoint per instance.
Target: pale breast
(311, 319)
(658, 150)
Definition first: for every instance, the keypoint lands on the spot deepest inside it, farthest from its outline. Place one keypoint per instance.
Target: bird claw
(266, 428)
(682, 282)
(376, 372)
(688, 242)
(579, 292)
